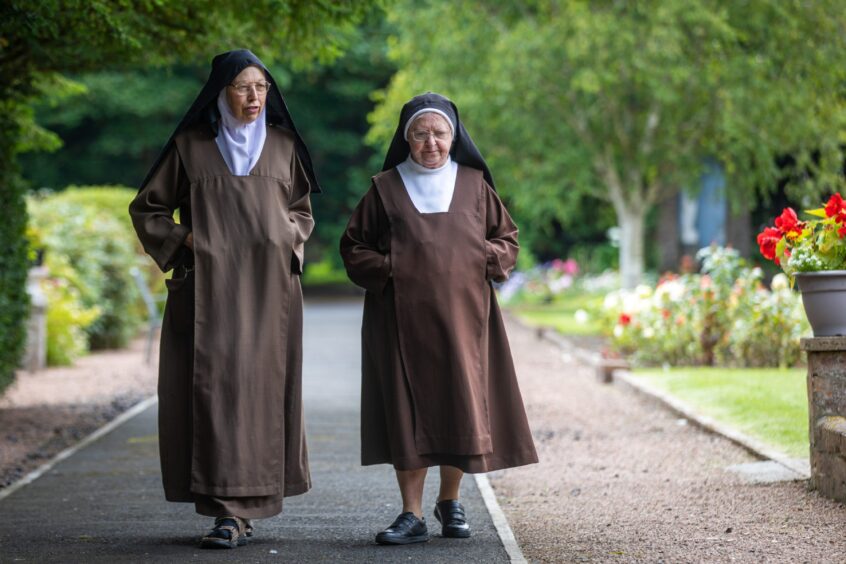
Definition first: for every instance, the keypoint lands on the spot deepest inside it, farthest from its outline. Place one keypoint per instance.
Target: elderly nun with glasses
(438, 382)
(231, 434)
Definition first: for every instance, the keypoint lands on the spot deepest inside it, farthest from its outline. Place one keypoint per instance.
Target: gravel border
(628, 380)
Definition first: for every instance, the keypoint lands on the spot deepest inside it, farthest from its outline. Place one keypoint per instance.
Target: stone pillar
(827, 414)
(35, 357)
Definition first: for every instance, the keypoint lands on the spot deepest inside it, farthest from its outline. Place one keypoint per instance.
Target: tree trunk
(631, 222)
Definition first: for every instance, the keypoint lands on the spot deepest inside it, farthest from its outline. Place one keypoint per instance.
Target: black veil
(225, 67)
(463, 150)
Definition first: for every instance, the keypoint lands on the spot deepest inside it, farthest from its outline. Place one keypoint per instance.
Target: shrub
(89, 243)
(723, 316)
(14, 301)
(67, 318)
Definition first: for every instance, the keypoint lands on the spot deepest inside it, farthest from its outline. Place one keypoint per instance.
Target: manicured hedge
(14, 301)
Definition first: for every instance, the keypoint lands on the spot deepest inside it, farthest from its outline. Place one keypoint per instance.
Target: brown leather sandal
(228, 532)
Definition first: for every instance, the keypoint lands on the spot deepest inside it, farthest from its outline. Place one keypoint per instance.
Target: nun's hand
(189, 241)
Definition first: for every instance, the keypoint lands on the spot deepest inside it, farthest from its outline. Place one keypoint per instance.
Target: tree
(625, 101)
(41, 40)
(113, 130)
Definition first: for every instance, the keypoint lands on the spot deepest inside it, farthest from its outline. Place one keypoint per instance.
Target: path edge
(674, 405)
(503, 529)
(73, 449)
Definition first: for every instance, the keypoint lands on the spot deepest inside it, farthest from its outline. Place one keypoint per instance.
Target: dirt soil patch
(43, 413)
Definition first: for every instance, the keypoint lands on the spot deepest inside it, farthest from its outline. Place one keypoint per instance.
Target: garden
(724, 339)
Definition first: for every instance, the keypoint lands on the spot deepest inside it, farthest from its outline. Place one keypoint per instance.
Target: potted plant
(813, 252)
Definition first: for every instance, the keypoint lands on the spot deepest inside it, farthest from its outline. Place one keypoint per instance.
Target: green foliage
(67, 317)
(620, 101)
(14, 301)
(324, 272)
(40, 40)
(723, 317)
(113, 131)
(90, 245)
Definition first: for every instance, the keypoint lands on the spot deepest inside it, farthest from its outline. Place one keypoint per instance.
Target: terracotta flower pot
(824, 298)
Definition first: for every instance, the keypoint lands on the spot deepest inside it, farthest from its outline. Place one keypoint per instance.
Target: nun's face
(430, 139)
(247, 94)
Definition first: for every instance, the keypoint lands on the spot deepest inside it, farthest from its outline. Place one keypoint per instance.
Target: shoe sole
(407, 540)
(222, 543)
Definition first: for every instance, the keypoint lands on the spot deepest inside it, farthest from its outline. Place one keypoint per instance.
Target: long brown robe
(438, 381)
(231, 432)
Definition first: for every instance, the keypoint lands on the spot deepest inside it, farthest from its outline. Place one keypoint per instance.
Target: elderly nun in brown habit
(438, 382)
(231, 432)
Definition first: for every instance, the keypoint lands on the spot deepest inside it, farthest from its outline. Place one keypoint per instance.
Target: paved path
(105, 503)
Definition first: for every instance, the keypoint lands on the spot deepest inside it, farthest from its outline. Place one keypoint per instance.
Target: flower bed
(724, 316)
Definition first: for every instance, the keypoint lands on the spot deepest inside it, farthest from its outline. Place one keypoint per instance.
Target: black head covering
(463, 150)
(225, 67)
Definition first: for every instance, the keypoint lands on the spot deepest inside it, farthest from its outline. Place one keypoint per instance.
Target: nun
(231, 432)
(438, 382)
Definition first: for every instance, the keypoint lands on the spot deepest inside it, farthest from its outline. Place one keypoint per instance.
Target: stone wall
(827, 414)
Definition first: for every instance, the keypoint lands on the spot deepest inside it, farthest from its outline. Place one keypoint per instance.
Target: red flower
(788, 223)
(665, 313)
(842, 231)
(835, 206)
(767, 241)
(625, 319)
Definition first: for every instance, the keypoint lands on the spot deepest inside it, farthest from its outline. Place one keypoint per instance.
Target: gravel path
(42, 413)
(623, 480)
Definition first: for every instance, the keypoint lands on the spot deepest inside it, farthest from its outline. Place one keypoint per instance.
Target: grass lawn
(766, 403)
(561, 314)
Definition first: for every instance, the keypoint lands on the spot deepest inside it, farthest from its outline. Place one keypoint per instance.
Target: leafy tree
(113, 130)
(40, 40)
(623, 101)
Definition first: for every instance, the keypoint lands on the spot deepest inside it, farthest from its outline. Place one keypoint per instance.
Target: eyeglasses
(421, 136)
(243, 88)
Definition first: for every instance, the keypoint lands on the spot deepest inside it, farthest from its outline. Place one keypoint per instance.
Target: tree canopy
(42, 41)
(624, 102)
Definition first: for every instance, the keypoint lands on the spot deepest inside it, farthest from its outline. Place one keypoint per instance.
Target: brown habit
(230, 409)
(438, 381)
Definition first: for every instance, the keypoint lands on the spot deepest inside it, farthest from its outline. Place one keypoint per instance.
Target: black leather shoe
(450, 513)
(406, 529)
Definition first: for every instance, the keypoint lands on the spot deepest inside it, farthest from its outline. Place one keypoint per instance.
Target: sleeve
(299, 211)
(500, 240)
(152, 213)
(365, 244)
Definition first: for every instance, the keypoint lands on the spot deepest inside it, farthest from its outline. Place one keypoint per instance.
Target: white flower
(618, 331)
(780, 282)
(648, 332)
(611, 301)
(581, 316)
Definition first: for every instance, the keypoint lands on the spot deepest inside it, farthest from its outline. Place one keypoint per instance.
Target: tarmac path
(105, 503)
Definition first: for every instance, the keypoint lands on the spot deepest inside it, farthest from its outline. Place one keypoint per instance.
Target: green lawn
(561, 314)
(768, 404)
